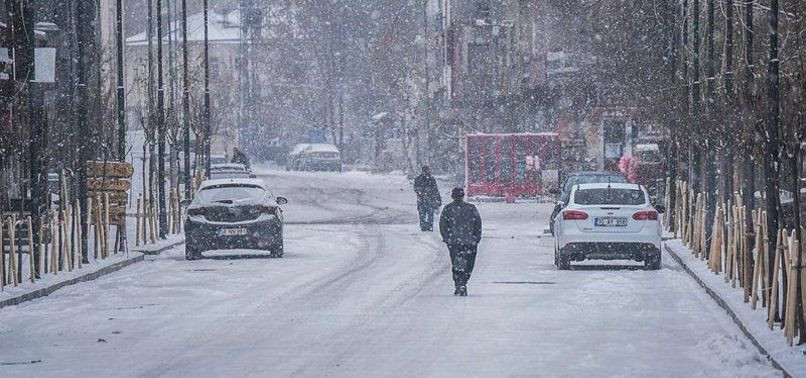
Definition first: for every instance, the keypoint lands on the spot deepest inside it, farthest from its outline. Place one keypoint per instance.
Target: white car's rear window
(609, 196)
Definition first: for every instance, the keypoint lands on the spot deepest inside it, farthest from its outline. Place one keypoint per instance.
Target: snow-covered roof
(228, 167)
(222, 29)
(321, 147)
(612, 185)
(380, 116)
(298, 148)
(647, 147)
(231, 181)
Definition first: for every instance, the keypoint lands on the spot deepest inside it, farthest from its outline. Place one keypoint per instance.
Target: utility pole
(163, 219)
(85, 35)
(185, 98)
(711, 135)
(728, 167)
(23, 45)
(772, 161)
(121, 101)
(207, 131)
(695, 97)
(427, 71)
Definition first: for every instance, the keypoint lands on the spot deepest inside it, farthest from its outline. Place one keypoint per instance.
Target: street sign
(114, 197)
(110, 169)
(99, 184)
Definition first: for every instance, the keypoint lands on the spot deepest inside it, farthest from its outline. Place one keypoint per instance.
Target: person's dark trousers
(463, 259)
(426, 217)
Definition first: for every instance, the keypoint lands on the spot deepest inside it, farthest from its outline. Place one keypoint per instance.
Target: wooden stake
(41, 246)
(153, 223)
(137, 224)
(12, 263)
(55, 245)
(754, 282)
(2, 257)
(79, 235)
(789, 329)
(31, 249)
(106, 226)
(772, 306)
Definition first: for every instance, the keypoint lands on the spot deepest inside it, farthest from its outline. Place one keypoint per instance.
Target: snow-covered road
(362, 293)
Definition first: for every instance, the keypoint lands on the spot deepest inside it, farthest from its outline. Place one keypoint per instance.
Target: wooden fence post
(41, 258)
(105, 249)
(772, 306)
(55, 246)
(31, 248)
(79, 235)
(137, 224)
(12, 257)
(789, 329)
(2, 256)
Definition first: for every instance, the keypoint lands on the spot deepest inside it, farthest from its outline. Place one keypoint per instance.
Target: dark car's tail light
(646, 215)
(267, 209)
(197, 211)
(574, 215)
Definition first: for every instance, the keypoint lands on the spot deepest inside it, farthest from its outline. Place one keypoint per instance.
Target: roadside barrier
(740, 254)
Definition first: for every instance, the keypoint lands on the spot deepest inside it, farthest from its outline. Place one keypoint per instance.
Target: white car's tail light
(646, 215)
(574, 215)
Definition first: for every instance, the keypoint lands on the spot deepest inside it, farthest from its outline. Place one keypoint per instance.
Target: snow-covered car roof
(613, 185)
(228, 167)
(647, 147)
(298, 149)
(232, 182)
(321, 147)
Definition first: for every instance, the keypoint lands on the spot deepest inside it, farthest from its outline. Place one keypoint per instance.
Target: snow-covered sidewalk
(752, 322)
(26, 290)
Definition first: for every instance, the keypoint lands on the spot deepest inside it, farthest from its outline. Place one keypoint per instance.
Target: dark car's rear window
(231, 193)
(609, 196)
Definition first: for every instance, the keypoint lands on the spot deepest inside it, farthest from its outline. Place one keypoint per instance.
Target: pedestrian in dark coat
(239, 157)
(460, 226)
(428, 198)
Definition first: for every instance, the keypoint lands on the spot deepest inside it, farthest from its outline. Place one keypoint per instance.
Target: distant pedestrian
(428, 198)
(239, 157)
(460, 226)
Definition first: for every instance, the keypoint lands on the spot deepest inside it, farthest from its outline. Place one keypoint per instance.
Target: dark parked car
(315, 157)
(576, 178)
(234, 214)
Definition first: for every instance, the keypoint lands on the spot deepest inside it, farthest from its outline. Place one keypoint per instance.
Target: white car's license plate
(232, 232)
(610, 222)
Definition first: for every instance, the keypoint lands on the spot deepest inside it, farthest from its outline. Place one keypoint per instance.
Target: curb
(160, 249)
(83, 278)
(722, 303)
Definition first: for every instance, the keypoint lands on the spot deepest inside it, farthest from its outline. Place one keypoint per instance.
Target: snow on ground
(362, 292)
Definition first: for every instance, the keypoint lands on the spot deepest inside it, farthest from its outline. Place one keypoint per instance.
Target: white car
(608, 222)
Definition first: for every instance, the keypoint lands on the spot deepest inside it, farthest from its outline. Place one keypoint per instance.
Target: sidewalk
(753, 323)
(27, 291)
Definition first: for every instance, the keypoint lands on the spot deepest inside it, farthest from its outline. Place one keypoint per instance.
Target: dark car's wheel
(653, 262)
(192, 252)
(277, 250)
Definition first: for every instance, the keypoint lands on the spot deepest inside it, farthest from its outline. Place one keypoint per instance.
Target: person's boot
(462, 291)
(457, 291)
